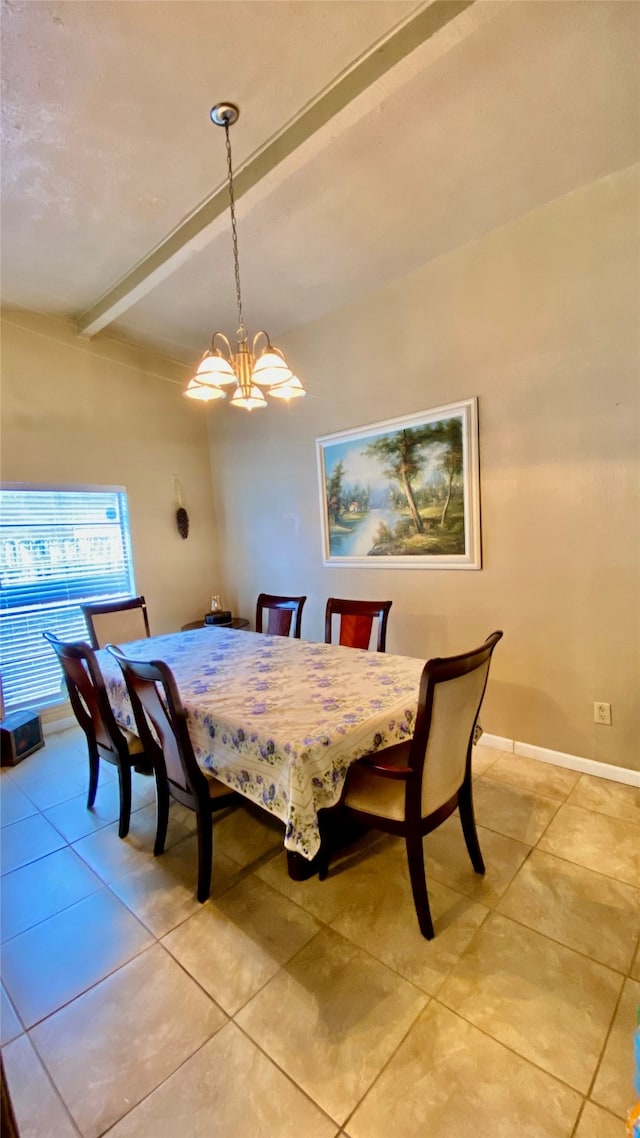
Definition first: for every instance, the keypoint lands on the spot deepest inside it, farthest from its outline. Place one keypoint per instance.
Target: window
(59, 548)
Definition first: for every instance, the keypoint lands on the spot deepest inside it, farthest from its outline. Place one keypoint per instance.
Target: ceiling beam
(193, 233)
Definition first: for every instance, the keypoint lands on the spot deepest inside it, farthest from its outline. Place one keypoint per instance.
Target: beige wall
(104, 413)
(539, 320)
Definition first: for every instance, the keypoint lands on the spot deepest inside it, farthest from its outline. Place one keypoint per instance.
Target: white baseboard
(560, 759)
(496, 741)
(57, 725)
(576, 763)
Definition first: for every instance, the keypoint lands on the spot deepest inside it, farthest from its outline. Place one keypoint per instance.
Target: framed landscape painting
(403, 493)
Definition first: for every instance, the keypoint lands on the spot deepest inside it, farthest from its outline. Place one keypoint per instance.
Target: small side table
(237, 622)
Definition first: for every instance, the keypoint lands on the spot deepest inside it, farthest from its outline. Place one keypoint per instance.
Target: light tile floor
(285, 1009)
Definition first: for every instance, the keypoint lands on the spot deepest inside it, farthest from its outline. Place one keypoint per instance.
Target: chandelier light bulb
(195, 390)
(292, 389)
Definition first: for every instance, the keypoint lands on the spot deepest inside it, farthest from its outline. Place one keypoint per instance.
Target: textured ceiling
(489, 111)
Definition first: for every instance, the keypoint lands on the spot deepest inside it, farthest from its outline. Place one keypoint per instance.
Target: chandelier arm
(226, 343)
(242, 335)
(257, 337)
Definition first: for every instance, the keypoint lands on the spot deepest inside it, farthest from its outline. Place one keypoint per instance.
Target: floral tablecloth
(277, 719)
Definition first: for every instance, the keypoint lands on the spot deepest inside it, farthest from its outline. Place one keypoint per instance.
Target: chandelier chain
(254, 367)
(234, 233)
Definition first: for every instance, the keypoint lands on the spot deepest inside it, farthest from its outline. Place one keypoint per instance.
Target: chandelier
(250, 368)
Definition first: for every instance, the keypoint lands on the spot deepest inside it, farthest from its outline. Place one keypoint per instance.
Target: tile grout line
(249, 871)
(604, 1047)
(518, 1054)
(287, 1076)
(51, 1081)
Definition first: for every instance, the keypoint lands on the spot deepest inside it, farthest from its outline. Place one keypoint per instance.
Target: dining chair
(356, 622)
(413, 787)
(8, 1124)
(162, 724)
(282, 611)
(116, 622)
(105, 738)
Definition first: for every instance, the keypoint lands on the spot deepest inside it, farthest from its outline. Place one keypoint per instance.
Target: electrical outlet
(602, 713)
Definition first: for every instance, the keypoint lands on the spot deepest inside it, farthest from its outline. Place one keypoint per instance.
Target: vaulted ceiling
(372, 137)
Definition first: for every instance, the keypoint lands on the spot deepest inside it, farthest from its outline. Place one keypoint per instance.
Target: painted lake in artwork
(358, 541)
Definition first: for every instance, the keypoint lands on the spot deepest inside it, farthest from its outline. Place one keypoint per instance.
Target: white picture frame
(403, 493)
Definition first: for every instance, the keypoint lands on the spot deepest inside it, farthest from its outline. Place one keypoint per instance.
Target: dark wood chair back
(356, 622)
(88, 694)
(162, 724)
(283, 612)
(8, 1124)
(116, 622)
(91, 707)
(428, 777)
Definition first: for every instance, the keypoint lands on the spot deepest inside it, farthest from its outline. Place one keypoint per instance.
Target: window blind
(59, 548)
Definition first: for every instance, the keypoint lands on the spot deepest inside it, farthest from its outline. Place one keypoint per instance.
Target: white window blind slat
(59, 548)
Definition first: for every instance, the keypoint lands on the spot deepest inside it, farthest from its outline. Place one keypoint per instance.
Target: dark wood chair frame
(8, 1124)
(284, 605)
(340, 606)
(100, 609)
(414, 826)
(91, 707)
(156, 704)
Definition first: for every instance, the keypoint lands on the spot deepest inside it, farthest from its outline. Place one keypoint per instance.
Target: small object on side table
(235, 622)
(223, 616)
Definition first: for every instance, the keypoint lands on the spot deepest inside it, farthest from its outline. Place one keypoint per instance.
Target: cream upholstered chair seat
(217, 789)
(134, 744)
(384, 797)
(413, 787)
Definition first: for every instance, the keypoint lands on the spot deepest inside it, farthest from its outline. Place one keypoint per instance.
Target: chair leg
(415, 858)
(467, 818)
(324, 858)
(162, 810)
(205, 854)
(124, 779)
(94, 767)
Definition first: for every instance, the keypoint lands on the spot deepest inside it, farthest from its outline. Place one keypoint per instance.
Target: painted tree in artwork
(452, 458)
(334, 492)
(403, 454)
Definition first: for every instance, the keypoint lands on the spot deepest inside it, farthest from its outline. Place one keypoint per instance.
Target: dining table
(280, 720)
